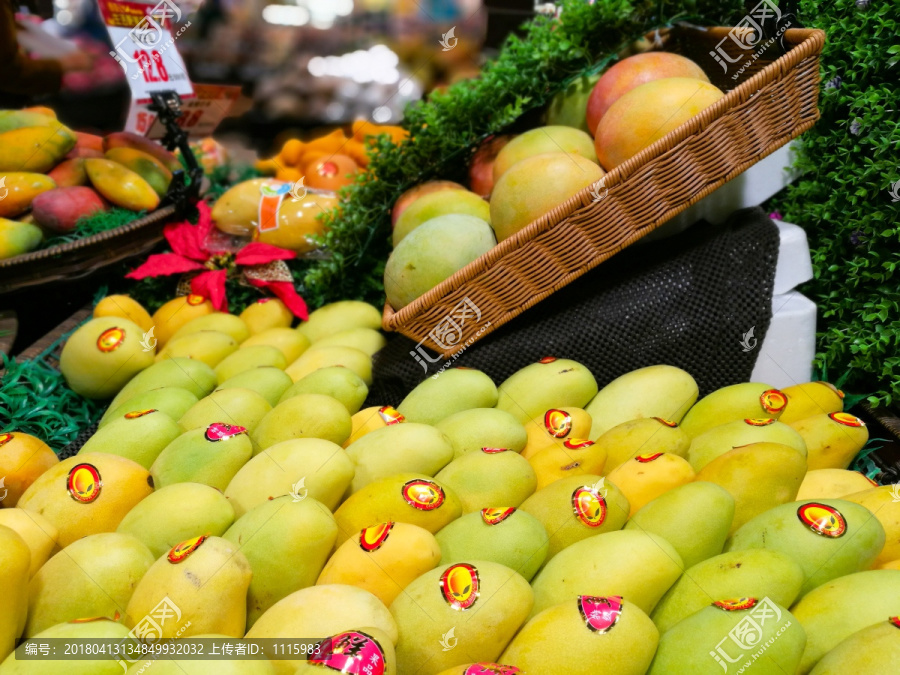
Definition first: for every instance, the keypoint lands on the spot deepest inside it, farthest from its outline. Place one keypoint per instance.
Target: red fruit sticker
(493, 451)
(84, 483)
(423, 495)
(759, 421)
(558, 423)
(460, 586)
(735, 604)
(193, 299)
(372, 538)
(846, 419)
(496, 515)
(772, 400)
(110, 339)
(600, 614)
(668, 423)
(134, 414)
(181, 551)
(490, 669)
(5, 438)
(649, 457)
(219, 431)
(895, 620)
(547, 359)
(822, 519)
(577, 443)
(262, 301)
(351, 652)
(589, 506)
(390, 415)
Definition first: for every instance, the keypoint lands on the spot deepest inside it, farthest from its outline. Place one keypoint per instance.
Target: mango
(18, 119)
(282, 564)
(383, 559)
(864, 653)
(303, 416)
(884, 503)
(646, 477)
(139, 435)
(759, 476)
(575, 508)
(829, 538)
(93, 576)
(695, 518)
(832, 439)
(69, 173)
(569, 106)
(611, 634)
(365, 340)
(217, 321)
(538, 387)
(645, 436)
(452, 391)
(370, 419)
(21, 189)
(811, 398)
(504, 535)
(471, 430)
(240, 407)
(194, 576)
(720, 439)
(17, 238)
(146, 166)
(237, 209)
(312, 360)
(411, 498)
(299, 225)
(176, 313)
(416, 192)
(375, 648)
(660, 391)
(399, 448)
(35, 149)
(435, 204)
(270, 383)
(489, 476)
(337, 317)
(175, 513)
(59, 210)
(121, 186)
(748, 400)
(824, 615)
(209, 346)
(543, 140)
(340, 383)
(210, 455)
(754, 573)
(833, 484)
(553, 428)
(480, 603)
(22, 459)
(15, 561)
(171, 401)
(265, 314)
(257, 356)
(195, 376)
(290, 342)
(87, 494)
(126, 139)
(302, 467)
(125, 307)
(37, 532)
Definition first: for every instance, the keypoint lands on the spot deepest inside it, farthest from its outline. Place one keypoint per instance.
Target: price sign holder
(166, 105)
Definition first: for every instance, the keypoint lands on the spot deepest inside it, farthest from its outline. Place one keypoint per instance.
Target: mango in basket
(36, 149)
(146, 166)
(69, 173)
(540, 141)
(17, 238)
(19, 188)
(120, 185)
(59, 210)
(126, 139)
(19, 119)
(406, 200)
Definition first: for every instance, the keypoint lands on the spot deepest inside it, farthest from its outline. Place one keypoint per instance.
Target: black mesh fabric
(686, 301)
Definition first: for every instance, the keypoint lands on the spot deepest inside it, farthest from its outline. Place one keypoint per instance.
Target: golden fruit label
(577, 443)
(822, 519)
(92, 619)
(181, 551)
(351, 652)
(773, 400)
(5, 438)
(600, 615)
(134, 414)
(390, 415)
(423, 495)
(649, 457)
(372, 538)
(846, 419)
(895, 620)
(547, 359)
(759, 421)
(110, 339)
(589, 506)
(84, 483)
(219, 431)
(496, 515)
(493, 451)
(490, 669)
(194, 299)
(460, 586)
(558, 423)
(735, 604)
(668, 423)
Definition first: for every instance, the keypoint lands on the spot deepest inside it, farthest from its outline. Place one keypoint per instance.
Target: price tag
(202, 114)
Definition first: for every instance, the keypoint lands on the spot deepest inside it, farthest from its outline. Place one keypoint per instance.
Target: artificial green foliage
(95, 224)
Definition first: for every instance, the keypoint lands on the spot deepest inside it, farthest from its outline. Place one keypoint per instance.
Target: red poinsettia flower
(192, 252)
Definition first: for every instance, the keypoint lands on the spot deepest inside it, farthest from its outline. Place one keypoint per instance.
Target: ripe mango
(304, 466)
(15, 561)
(175, 513)
(196, 575)
(828, 538)
(95, 630)
(832, 439)
(553, 428)
(646, 477)
(37, 532)
(241, 407)
(489, 476)
(209, 346)
(617, 638)
(121, 186)
(504, 535)
(236, 210)
(370, 419)
(17, 238)
(833, 484)
(754, 573)
(695, 518)
(439, 203)
(655, 391)
(176, 313)
(311, 360)
(146, 166)
(471, 430)
(646, 436)
(480, 603)
(60, 209)
(575, 508)
(340, 383)
(266, 313)
(303, 416)
(93, 576)
(725, 437)
(18, 119)
(383, 559)
(35, 149)
(748, 400)
(125, 307)
(268, 382)
(551, 382)
(291, 343)
(22, 459)
(171, 401)
(452, 391)
(210, 455)
(864, 653)
(21, 189)
(364, 339)
(811, 398)
(217, 321)
(87, 494)
(375, 648)
(883, 502)
(258, 356)
(406, 498)
(282, 564)
(138, 435)
(298, 222)
(126, 139)
(337, 317)
(69, 173)
(399, 448)
(195, 376)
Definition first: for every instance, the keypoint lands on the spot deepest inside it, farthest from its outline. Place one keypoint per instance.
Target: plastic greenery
(100, 222)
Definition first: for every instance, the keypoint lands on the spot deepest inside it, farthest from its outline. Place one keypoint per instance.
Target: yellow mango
(884, 502)
(120, 185)
(20, 188)
(36, 149)
(832, 484)
(645, 477)
(146, 166)
(237, 210)
(123, 306)
(177, 312)
(17, 238)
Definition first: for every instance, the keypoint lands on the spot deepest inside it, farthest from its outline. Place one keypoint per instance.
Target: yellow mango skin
(125, 307)
(364, 339)
(379, 636)
(720, 439)
(236, 211)
(35, 149)
(734, 402)
(481, 480)
(560, 461)
(340, 383)
(21, 188)
(242, 360)
(298, 222)
(646, 477)
(303, 416)
(147, 167)
(866, 652)
(268, 382)
(830, 443)
(811, 398)
(357, 361)
(337, 317)
(176, 313)
(882, 501)
(209, 346)
(121, 186)
(532, 390)
(645, 436)
(18, 119)
(37, 532)
(540, 438)
(102, 629)
(218, 321)
(291, 343)
(17, 238)
(266, 313)
(15, 560)
(832, 484)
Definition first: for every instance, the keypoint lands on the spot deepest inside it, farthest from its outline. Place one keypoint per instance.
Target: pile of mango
(51, 176)
(542, 526)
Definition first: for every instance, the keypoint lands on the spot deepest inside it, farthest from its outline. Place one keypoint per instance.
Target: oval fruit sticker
(846, 419)
(219, 431)
(390, 415)
(577, 443)
(193, 299)
(181, 551)
(895, 620)
(496, 516)
(110, 339)
(649, 457)
(558, 423)
(134, 414)
(423, 495)
(600, 614)
(668, 423)
(372, 538)
(759, 421)
(590, 508)
(772, 400)
(5, 438)
(460, 586)
(735, 605)
(84, 483)
(493, 451)
(351, 652)
(547, 359)
(822, 519)
(490, 669)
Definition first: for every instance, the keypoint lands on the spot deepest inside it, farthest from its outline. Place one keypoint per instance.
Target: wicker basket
(775, 102)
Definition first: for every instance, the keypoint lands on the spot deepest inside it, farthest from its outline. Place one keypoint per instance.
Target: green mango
(864, 653)
(173, 401)
(268, 382)
(449, 392)
(138, 435)
(725, 437)
(211, 455)
(195, 376)
(477, 428)
(338, 382)
(217, 321)
(93, 631)
(748, 400)
(249, 358)
(366, 340)
(551, 382)
(645, 436)
(209, 346)
(488, 477)
(337, 317)
(303, 416)
(242, 407)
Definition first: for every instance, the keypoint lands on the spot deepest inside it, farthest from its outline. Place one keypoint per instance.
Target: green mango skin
(471, 430)
(249, 358)
(193, 458)
(270, 383)
(195, 376)
(453, 391)
(338, 382)
(17, 238)
(569, 107)
(484, 480)
(864, 653)
(337, 317)
(238, 406)
(720, 439)
(303, 416)
(735, 402)
(534, 389)
(140, 439)
(104, 629)
(173, 401)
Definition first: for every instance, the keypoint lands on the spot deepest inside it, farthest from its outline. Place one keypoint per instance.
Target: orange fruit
(330, 173)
